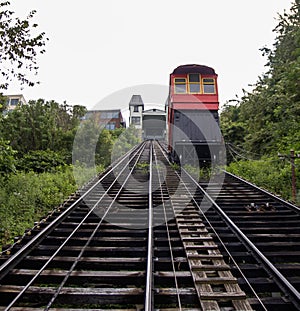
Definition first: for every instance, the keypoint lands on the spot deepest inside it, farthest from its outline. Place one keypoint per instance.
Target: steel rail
(280, 277)
(12, 261)
(68, 238)
(289, 204)
(149, 272)
(168, 234)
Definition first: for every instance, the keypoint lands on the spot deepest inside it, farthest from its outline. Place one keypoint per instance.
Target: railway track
(261, 233)
(139, 239)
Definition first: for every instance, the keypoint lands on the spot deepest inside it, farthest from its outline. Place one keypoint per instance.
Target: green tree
(233, 129)
(19, 47)
(270, 114)
(3, 104)
(104, 147)
(41, 161)
(126, 140)
(7, 158)
(85, 142)
(42, 125)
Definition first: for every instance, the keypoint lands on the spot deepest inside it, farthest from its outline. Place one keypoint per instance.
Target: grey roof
(136, 100)
(193, 68)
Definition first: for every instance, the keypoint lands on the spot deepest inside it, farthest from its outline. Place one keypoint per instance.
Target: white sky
(99, 47)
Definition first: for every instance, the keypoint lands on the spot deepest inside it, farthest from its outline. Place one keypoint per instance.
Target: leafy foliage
(19, 47)
(126, 140)
(3, 103)
(42, 125)
(41, 161)
(35, 159)
(267, 120)
(233, 129)
(85, 142)
(36, 140)
(266, 173)
(7, 158)
(26, 197)
(83, 174)
(199, 173)
(96, 145)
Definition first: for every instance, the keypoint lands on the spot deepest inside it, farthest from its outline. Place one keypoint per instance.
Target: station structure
(150, 123)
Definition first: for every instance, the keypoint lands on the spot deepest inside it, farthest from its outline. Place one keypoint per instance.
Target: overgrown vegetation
(36, 147)
(27, 197)
(42, 125)
(36, 140)
(266, 121)
(269, 173)
(199, 173)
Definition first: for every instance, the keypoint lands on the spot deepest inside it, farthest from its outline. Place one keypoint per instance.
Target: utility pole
(292, 158)
(294, 191)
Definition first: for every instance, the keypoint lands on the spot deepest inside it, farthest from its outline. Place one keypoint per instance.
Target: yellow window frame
(180, 83)
(213, 82)
(195, 83)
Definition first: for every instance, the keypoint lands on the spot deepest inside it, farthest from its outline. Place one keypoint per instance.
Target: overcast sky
(97, 47)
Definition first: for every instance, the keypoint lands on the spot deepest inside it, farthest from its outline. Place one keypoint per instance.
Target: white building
(150, 124)
(136, 108)
(14, 100)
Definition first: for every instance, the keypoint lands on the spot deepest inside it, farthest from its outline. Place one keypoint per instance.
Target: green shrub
(269, 173)
(7, 158)
(83, 174)
(41, 161)
(27, 197)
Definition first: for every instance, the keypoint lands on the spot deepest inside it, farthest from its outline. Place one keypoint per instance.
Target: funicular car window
(194, 83)
(180, 85)
(209, 86)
